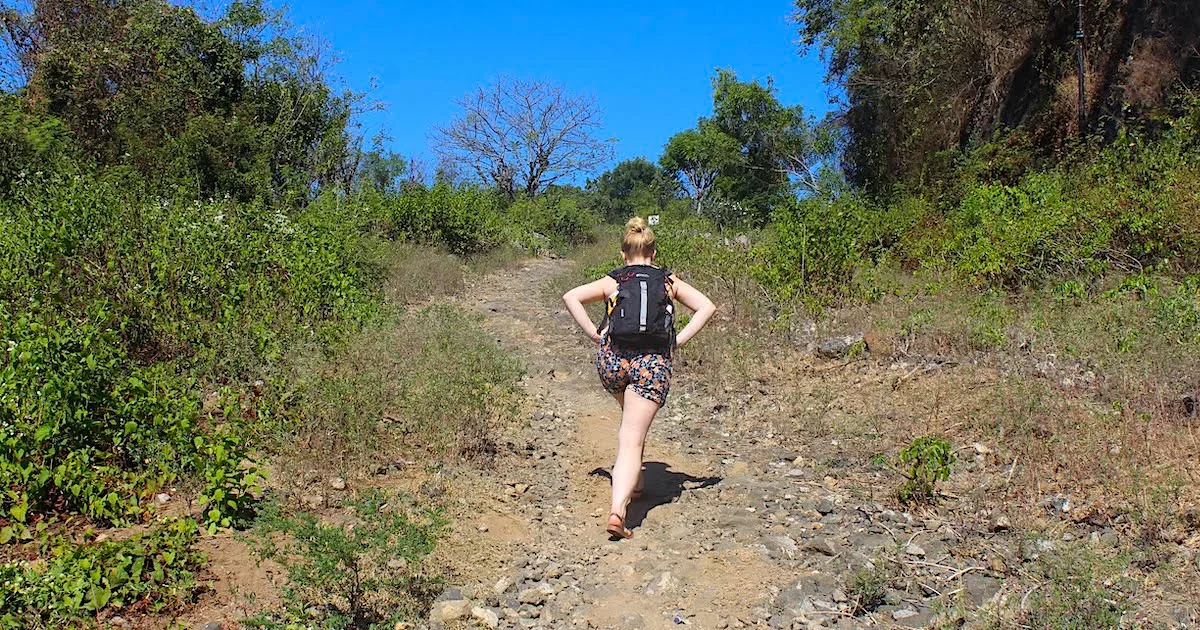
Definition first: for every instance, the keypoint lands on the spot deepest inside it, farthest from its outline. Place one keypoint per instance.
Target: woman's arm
(587, 294)
(702, 308)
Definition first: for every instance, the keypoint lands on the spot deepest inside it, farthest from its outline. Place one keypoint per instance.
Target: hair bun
(639, 238)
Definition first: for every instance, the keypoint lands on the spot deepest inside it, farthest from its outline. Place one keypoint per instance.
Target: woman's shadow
(663, 486)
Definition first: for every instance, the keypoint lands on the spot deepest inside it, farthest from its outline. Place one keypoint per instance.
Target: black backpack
(641, 316)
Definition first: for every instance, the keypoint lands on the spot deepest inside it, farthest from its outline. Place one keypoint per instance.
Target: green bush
(714, 258)
(556, 220)
(924, 462)
(989, 221)
(75, 583)
(96, 434)
(463, 220)
(230, 479)
(814, 247)
(28, 143)
(118, 309)
(364, 575)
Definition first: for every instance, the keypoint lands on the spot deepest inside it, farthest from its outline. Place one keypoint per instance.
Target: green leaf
(98, 598)
(6, 534)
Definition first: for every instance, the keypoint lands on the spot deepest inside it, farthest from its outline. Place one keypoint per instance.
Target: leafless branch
(522, 136)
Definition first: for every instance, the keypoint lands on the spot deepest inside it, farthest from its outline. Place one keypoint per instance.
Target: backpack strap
(609, 301)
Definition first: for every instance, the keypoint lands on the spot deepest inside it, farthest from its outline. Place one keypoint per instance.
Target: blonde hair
(639, 239)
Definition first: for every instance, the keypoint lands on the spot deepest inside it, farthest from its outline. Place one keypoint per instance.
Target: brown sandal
(617, 529)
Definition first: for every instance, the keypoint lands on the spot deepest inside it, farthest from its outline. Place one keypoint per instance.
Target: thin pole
(1079, 50)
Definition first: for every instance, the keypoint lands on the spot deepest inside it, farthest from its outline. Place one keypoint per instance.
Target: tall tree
(381, 170)
(522, 136)
(753, 150)
(632, 186)
(921, 78)
(698, 157)
(778, 142)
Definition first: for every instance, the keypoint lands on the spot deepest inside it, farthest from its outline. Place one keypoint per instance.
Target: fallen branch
(961, 572)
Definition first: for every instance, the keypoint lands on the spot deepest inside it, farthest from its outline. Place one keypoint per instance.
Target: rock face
(532, 596)
(823, 545)
(981, 589)
(781, 547)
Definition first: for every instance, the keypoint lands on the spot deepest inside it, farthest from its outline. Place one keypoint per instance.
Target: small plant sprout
(924, 463)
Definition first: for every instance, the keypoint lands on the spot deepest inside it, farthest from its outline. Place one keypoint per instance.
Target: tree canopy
(924, 77)
(631, 187)
(232, 105)
(753, 150)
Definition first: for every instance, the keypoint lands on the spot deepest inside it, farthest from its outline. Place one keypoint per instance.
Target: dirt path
(559, 495)
(735, 531)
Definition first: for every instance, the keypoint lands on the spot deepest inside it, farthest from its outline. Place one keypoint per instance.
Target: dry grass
(429, 384)
(415, 274)
(423, 383)
(1084, 391)
(1074, 394)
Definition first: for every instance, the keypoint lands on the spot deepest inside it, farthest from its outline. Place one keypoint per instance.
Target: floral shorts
(648, 374)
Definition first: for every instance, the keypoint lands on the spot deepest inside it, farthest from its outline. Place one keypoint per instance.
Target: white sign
(653, 219)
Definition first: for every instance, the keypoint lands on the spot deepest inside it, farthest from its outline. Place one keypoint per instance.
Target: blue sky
(648, 64)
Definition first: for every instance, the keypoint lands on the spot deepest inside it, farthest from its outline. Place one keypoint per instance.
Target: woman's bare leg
(636, 416)
(641, 482)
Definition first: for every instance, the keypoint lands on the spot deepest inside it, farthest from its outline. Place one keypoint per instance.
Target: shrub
(28, 143)
(366, 574)
(230, 479)
(1078, 592)
(118, 309)
(867, 589)
(75, 583)
(990, 221)
(463, 220)
(924, 462)
(558, 219)
(97, 435)
(814, 247)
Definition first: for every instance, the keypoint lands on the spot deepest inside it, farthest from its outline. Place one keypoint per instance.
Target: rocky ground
(740, 527)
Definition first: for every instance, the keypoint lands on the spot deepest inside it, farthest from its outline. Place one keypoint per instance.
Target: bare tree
(522, 136)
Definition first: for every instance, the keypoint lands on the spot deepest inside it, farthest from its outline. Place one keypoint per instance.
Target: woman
(638, 375)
